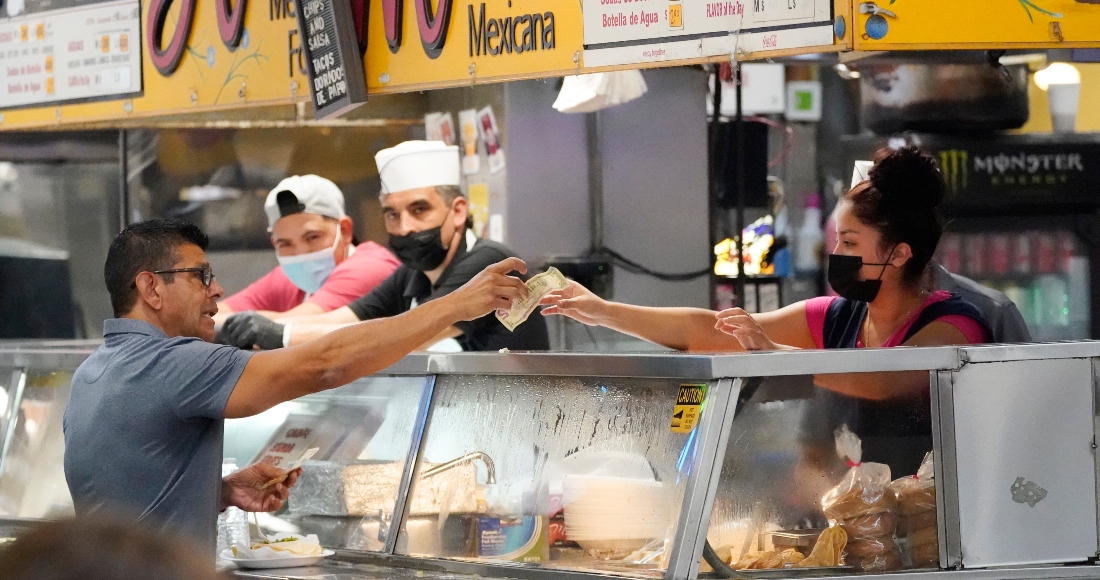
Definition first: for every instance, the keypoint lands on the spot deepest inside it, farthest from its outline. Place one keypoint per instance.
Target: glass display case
(660, 466)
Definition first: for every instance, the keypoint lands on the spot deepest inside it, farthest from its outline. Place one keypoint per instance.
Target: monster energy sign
(1056, 172)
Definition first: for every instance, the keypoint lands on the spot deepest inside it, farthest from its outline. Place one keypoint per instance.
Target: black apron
(895, 432)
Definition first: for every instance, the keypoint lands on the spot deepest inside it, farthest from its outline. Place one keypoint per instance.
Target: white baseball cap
(416, 164)
(304, 194)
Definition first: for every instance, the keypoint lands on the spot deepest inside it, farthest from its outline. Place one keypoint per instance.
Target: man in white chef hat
(426, 214)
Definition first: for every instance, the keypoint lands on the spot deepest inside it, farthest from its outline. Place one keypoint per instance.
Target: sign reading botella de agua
(336, 76)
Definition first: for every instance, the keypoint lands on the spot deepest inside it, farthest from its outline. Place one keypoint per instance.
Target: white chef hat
(416, 164)
(304, 194)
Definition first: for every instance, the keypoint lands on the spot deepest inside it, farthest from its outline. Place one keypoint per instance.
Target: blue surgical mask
(309, 271)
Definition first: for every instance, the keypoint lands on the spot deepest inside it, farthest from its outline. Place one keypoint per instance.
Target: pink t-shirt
(356, 276)
(817, 307)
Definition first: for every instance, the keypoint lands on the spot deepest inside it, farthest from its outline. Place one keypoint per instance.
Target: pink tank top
(817, 307)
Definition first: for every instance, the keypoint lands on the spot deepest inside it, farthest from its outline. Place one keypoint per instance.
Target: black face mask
(843, 273)
(420, 250)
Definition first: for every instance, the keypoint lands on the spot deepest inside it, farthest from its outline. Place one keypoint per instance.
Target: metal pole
(712, 183)
(740, 125)
(123, 181)
(595, 183)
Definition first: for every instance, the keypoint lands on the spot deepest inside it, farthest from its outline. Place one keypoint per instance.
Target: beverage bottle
(807, 256)
(233, 522)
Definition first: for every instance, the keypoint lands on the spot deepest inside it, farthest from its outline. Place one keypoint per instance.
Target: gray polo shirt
(143, 429)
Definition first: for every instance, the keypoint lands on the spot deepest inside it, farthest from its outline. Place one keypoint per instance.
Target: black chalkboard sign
(336, 76)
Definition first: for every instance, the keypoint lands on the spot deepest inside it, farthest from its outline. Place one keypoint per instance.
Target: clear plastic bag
(917, 494)
(867, 547)
(872, 526)
(924, 536)
(884, 562)
(925, 555)
(907, 525)
(863, 490)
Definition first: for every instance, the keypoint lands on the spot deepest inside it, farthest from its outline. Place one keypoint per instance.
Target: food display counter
(593, 465)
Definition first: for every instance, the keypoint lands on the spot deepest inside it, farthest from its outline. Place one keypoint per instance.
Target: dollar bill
(304, 458)
(537, 287)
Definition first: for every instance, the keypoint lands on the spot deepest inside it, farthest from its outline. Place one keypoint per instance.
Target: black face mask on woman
(843, 274)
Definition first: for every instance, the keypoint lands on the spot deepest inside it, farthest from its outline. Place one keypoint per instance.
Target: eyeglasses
(205, 272)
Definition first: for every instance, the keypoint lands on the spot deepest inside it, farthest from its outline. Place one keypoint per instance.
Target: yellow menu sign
(204, 58)
(948, 24)
(465, 41)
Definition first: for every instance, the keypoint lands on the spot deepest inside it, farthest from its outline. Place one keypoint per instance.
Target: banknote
(538, 286)
(304, 458)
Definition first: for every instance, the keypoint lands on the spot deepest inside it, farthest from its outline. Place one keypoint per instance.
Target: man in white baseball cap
(426, 215)
(321, 267)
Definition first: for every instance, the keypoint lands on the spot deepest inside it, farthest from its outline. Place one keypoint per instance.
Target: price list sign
(69, 54)
(625, 32)
(336, 76)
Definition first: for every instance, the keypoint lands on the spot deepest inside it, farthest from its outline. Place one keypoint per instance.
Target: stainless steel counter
(537, 415)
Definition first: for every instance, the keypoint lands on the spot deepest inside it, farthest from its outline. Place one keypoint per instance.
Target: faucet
(490, 468)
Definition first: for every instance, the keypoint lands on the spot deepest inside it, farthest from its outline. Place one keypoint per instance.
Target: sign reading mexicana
(519, 34)
(489, 35)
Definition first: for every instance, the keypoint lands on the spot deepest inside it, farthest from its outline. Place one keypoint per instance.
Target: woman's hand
(740, 325)
(576, 302)
(241, 488)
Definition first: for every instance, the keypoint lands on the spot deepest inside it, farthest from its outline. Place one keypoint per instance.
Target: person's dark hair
(93, 548)
(901, 198)
(145, 247)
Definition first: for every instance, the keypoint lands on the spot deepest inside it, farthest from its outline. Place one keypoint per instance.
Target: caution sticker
(689, 401)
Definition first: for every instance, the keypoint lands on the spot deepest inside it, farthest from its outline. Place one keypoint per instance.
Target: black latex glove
(248, 329)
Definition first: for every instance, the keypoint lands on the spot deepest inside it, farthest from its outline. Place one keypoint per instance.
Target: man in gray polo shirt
(144, 425)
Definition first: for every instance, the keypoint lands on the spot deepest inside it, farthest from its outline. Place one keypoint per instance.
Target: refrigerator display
(1023, 213)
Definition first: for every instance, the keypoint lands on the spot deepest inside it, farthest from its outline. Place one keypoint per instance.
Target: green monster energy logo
(955, 165)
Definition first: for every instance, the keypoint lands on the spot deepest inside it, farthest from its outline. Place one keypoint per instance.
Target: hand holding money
(537, 287)
(304, 458)
(576, 302)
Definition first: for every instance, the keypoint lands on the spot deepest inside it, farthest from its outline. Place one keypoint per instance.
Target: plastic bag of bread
(917, 494)
(871, 526)
(828, 550)
(884, 562)
(925, 555)
(907, 525)
(863, 490)
(865, 508)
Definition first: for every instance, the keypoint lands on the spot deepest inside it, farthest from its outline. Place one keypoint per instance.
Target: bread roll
(868, 547)
(885, 562)
(916, 499)
(925, 555)
(924, 536)
(909, 524)
(874, 525)
(853, 504)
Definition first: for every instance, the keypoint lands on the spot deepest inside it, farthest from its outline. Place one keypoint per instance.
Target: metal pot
(943, 98)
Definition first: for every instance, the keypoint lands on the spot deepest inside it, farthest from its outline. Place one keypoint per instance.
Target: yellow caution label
(689, 401)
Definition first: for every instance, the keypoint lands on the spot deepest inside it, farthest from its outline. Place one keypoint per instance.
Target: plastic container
(233, 522)
(807, 255)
